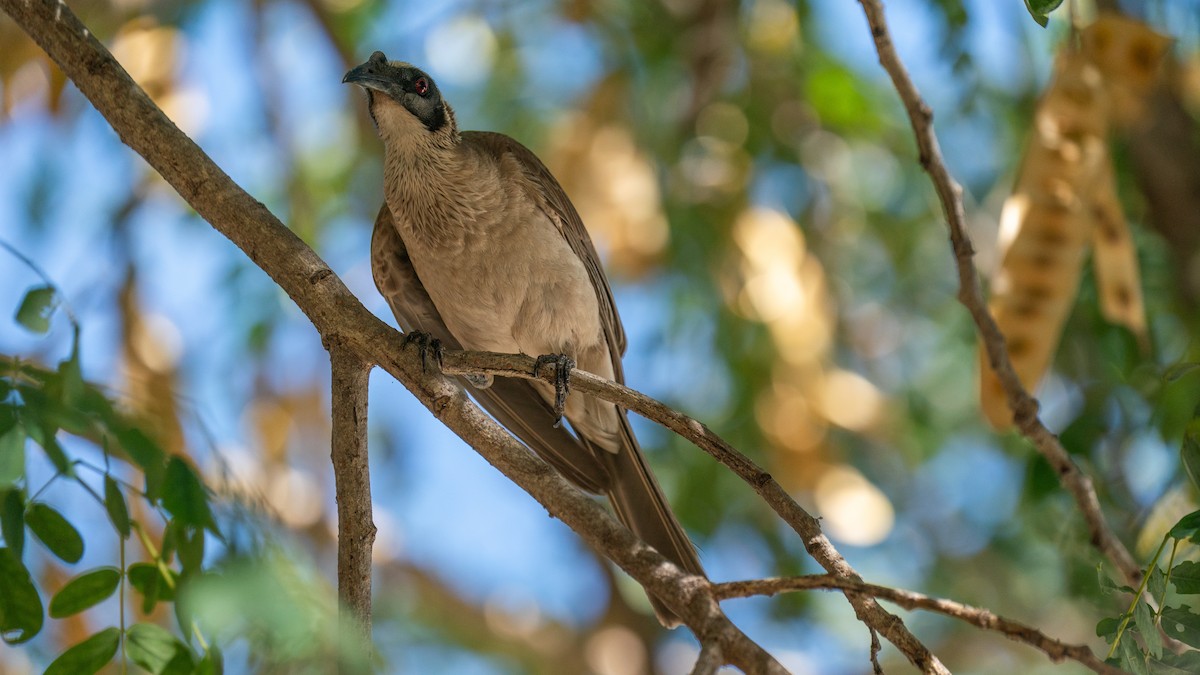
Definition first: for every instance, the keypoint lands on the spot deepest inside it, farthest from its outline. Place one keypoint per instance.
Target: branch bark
(970, 294)
(352, 485)
(981, 618)
(809, 528)
(342, 320)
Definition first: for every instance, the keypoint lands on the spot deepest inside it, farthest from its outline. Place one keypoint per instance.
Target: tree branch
(1057, 650)
(970, 294)
(352, 481)
(809, 528)
(342, 320)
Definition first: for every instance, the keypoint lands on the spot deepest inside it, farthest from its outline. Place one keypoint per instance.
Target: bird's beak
(365, 77)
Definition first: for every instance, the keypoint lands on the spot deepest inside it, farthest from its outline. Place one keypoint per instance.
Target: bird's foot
(562, 365)
(426, 343)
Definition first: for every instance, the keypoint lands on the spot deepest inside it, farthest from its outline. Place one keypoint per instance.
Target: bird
(478, 247)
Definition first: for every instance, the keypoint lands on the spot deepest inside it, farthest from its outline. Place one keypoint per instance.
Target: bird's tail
(640, 504)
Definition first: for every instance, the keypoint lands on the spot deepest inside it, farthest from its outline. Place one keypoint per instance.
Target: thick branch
(809, 529)
(343, 321)
(981, 618)
(352, 481)
(970, 294)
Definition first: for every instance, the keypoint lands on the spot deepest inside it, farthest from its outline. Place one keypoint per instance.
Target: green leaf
(147, 578)
(1107, 628)
(1107, 585)
(1188, 526)
(54, 532)
(1187, 663)
(1179, 370)
(71, 374)
(21, 614)
(84, 591)
(213, 662)
(114, 503)
(185, 497)
(1186, 577)
(1040, 10)
(1182, 624)
(36, 307)
(1132, 659)
(45, 438)
(151, 646)
(12, 455)
(12, 521)
(1189, 453)
(190, 545)
(146, 454)
(1144, 619)
(1157, 584)
(88, 656)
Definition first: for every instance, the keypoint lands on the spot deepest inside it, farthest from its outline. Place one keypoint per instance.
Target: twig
(352, 485)
(970, 294)
(343, 321)
(981, 618)
(809, 529)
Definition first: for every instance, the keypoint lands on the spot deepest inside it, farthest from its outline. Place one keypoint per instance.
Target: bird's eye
(421, 86)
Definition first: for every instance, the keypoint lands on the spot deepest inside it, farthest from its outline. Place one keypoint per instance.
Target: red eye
(421, 86)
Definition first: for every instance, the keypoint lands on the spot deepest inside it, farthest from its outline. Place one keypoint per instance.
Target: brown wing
(513, 402)
(554, 202)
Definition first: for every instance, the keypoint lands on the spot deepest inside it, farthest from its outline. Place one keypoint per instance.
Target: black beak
(371, 75)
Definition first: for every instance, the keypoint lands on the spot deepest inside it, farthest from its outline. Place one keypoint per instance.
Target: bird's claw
(426, 343)
(562, 365)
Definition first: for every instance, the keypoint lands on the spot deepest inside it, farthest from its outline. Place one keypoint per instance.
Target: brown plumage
(478, 246)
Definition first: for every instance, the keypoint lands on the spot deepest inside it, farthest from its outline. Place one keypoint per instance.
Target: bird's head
(404, 100)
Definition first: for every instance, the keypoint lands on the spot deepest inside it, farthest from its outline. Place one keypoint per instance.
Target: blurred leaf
(71, 374)
(190, 544)
(85, 590)
(1144, 619)
(1157, 584)
(1187, 527)
(1187, 663)
(1108, 585)
(53, 530)
(36, 307)
(49, 444)
(151, 646)
(213, 662)
(12, 521)
(1189, 452)
(114, 503)
(147, 578)
(1179, 370)
(21, 614)
(1107, 628)
(185, 496)
(147, 455)
(1132, 658)
(88, 656)
(1040, 10)
(12, 455)
(1182, 624)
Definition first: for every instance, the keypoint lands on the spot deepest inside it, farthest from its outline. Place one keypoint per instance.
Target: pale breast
(498, 269)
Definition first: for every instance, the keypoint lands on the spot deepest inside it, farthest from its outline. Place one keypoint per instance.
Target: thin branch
(970, 294)
(808, 527)
(352, 481)
(1057, 650)
(343, 321)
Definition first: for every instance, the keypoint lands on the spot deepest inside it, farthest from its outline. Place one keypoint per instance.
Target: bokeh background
(778, 259)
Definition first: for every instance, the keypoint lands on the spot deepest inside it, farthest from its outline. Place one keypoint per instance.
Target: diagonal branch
(809, 529)
(981, 618)
(346, 325)
(970, 294)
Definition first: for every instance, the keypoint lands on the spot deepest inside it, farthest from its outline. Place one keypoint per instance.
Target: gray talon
(426, 343)
(562, 380)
